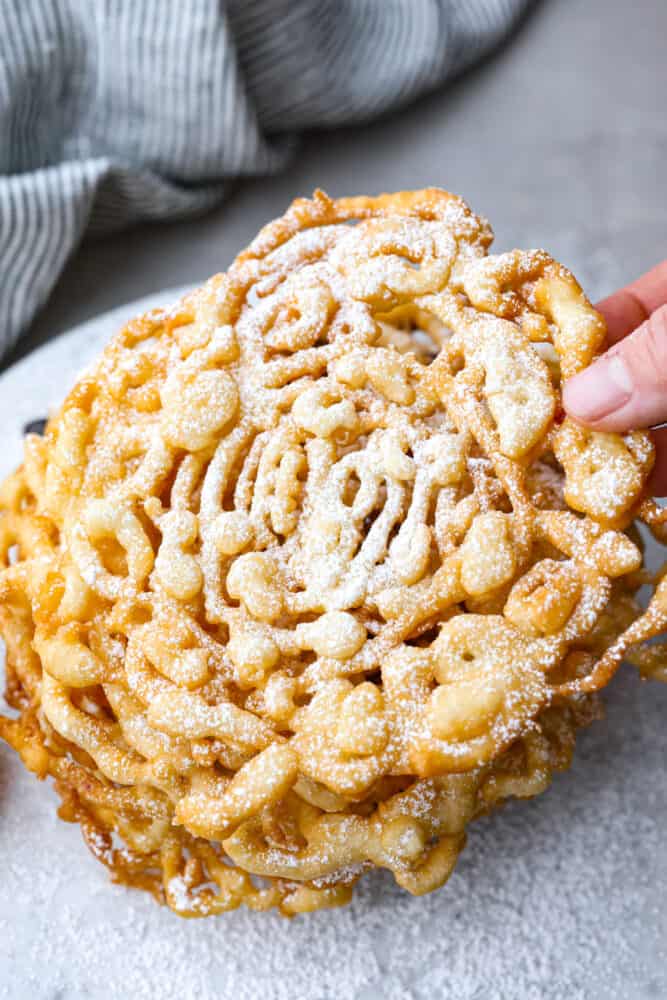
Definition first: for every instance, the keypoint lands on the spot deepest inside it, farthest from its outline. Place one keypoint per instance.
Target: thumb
(626, 388)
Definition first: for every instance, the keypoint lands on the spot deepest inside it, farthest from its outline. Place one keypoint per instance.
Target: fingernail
(599, 390)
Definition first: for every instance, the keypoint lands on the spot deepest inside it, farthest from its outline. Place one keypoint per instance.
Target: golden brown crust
(309, 571)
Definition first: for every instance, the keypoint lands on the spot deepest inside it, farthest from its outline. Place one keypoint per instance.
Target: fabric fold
(118, 111)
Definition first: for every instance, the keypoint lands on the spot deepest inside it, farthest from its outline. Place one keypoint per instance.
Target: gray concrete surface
(560, 139)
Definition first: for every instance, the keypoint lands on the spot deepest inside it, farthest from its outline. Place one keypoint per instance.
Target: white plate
(565, 896)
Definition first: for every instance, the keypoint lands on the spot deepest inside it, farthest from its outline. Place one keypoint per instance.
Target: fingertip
(597, 393)
(573, 395)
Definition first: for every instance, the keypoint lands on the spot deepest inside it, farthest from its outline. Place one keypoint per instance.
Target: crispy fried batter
(310, 571)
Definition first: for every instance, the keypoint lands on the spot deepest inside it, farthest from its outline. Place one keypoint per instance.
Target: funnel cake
(310, 570)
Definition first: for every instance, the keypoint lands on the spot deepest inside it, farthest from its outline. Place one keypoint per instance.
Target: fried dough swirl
(311, 570)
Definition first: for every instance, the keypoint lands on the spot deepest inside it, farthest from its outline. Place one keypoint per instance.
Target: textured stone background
(561, 139)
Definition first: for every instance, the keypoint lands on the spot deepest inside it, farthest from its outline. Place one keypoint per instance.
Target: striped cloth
(114, 111)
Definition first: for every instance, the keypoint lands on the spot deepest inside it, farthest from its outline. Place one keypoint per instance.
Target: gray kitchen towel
(114, 111)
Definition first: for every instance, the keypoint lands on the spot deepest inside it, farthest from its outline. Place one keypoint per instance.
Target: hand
(626, 388)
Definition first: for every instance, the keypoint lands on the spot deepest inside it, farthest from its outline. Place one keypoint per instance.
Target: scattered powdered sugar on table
(561, 897)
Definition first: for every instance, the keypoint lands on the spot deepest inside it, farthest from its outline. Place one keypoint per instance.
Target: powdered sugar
(562, 898)
(559, 898)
